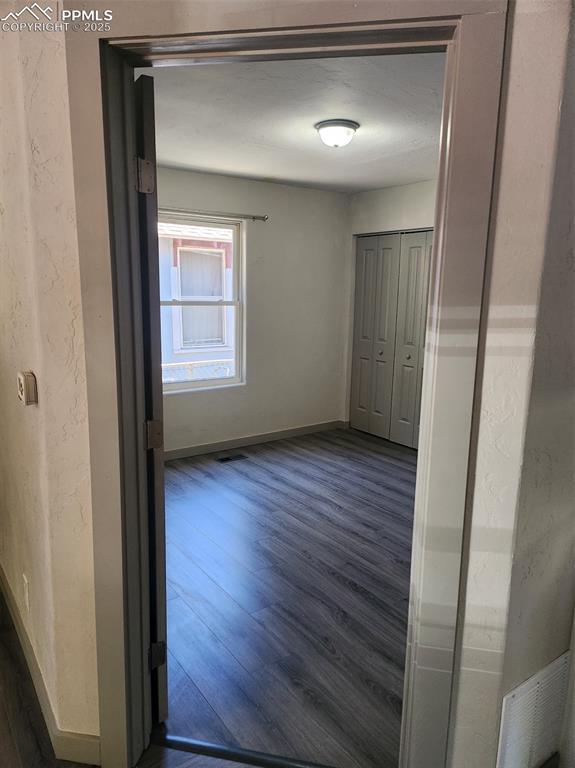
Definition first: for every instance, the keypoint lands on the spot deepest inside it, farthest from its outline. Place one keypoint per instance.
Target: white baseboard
(239, 442)
(75, 747)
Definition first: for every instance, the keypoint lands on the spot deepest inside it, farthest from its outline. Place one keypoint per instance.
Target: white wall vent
(532, 717)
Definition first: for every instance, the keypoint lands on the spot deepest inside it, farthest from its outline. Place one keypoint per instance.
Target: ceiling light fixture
(336, 133)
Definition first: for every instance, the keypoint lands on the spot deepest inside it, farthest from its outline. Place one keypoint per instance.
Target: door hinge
(157, 655)
(154, 435)
(145, 176)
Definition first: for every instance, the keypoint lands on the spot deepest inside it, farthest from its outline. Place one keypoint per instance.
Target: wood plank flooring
(160, 757)
(24, 739)
(288, 585)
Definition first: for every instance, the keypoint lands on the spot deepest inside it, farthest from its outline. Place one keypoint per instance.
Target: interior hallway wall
(298, 304)
(45, 512)
(518, 581)
(543, 560)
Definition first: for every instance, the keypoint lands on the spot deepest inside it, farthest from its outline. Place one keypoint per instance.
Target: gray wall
(411, 206)
(298, 307)
(299, 284)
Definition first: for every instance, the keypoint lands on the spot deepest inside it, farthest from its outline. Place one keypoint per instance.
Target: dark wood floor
(24, 740)
(288, 581)
(159, 757)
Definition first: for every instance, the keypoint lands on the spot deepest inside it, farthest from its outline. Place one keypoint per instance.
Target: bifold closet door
(376, 290)
(423, 328)
(410, 336)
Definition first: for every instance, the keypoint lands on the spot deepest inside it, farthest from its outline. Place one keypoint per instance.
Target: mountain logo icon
(34, 10)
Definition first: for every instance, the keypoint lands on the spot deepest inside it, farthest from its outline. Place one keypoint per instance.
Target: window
(201, 302)
(202, 276)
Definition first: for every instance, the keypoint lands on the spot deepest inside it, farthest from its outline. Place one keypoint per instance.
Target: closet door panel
(406, 392)
(408, 335)
(386, 287)
(423, 328)
(363, 332)
(381, 400)
(364, 384)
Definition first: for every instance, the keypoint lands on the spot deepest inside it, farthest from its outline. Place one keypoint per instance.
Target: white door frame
(473, 37)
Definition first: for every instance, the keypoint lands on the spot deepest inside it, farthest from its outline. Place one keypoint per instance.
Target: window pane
(199, 263)
(201, 273)
(203, 325)
(166, 248)
(198, 344)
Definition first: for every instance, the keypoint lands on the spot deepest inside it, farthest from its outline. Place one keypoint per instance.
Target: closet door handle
(408, 357)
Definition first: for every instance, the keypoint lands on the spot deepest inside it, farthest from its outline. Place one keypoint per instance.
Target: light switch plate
(27, 388)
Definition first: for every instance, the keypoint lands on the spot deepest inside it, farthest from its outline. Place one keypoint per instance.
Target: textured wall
(518, 597)
(45, 515)
(543, 577)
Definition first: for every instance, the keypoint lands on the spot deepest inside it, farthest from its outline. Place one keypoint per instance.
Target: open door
(137, 694)
(148, 229)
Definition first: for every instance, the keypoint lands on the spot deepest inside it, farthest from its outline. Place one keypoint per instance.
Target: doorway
(288, 534)
(153, 447)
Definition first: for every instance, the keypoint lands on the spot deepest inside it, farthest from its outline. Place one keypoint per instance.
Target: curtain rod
(213, 214)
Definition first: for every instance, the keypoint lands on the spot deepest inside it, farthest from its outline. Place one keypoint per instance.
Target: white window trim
(238, 290)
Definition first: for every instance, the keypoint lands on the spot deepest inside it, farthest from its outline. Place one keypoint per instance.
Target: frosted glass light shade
(336, 133)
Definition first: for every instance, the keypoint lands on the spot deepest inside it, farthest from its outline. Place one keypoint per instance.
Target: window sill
(185, 389)
(202, 349)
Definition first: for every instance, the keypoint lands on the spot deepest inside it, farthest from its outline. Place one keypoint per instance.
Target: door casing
(473, 37)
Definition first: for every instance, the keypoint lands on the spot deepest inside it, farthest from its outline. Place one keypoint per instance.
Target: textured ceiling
(256, 119)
